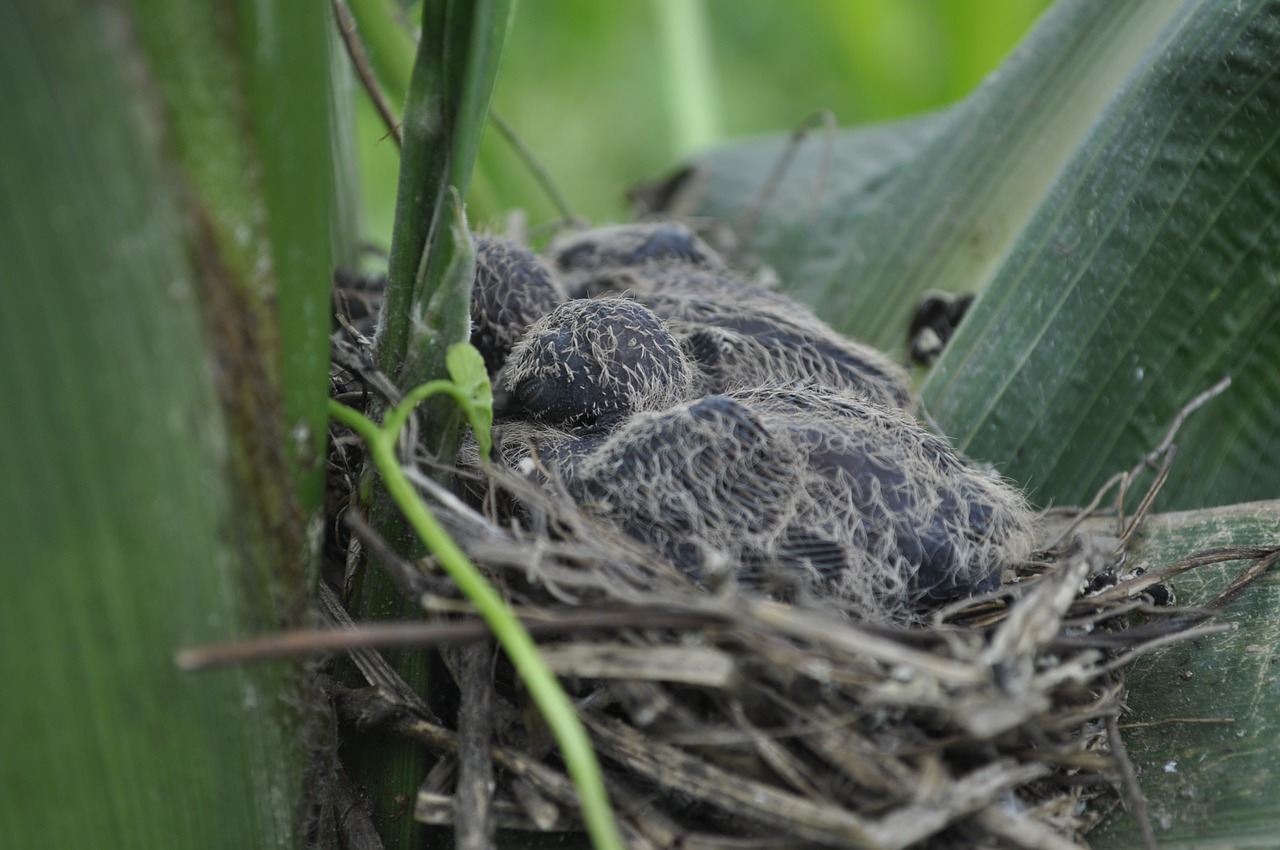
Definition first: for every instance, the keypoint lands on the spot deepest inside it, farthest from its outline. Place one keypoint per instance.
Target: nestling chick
(800, 488)
(738, 335)
(588, 364)
(513, 289)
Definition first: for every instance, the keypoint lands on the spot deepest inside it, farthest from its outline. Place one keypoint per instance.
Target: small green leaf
(466, 368)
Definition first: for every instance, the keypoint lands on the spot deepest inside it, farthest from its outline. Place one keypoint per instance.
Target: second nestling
(801, 489)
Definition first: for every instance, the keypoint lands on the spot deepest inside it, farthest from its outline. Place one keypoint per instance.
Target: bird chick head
(589, 364)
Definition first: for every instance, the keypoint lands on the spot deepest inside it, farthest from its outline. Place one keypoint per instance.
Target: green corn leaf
(1202, 730)
(1114, 182)
(1114, 192)
(160, 452)
(864, 222)
(1150, 272)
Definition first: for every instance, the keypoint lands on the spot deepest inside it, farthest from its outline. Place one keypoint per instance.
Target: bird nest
(728, 719)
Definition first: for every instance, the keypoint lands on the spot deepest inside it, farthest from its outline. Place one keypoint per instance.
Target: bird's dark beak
(505, 403)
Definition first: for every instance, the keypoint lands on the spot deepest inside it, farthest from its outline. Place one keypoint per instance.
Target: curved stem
(554, 704)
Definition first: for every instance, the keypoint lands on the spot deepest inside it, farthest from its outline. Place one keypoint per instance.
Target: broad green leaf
(1125, 217)
(1150, 272)
(866, 221)
(1116, 180)
(147, 490)
(1202, 729)
(286, 52)
(249, 116)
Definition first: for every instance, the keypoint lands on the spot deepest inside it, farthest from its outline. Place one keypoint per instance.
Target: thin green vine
(475, 399)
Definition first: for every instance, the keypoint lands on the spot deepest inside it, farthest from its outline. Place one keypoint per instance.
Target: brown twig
(1137, 803)
(305, 642)
(473, 801)
(360, 61)
(746, 226)
(537, 169)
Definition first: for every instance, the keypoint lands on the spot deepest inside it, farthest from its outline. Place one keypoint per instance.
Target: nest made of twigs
(726, 719)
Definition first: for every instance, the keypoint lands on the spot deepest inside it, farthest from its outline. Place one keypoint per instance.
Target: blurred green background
(590, 87)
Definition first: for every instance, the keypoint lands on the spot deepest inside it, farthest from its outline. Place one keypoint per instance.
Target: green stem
(691, 94)
(552, 701)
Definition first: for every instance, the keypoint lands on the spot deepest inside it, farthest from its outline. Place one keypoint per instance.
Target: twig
(537, 169)
(473, 801)
(746, 226)
(1242, 581)
(303, 642)
(1085, 512)
(1189, 408)
(1167, 448)
(1148, 499)
(1179, 636)
(410, 581)
(1022, 831)
(1152, 724)
(1137, 803)
(360, 60)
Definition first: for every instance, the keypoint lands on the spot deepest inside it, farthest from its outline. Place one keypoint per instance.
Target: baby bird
(742, 337)
(793, 487)
(513, 289)
(588, 364)
(738, 335)
(808, 489)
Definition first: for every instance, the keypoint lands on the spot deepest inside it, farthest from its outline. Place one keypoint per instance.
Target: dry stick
(536, 168)
(410, 581)
(1124, 478)
(1127, 658)
(1148, 499)
(1152, 724)
(1021, 831)
(473, 799)
(1086, 512)
(1158, 575)
(746, 226)
(1190, 407)
(372, 666)
(1137, 803)
(1164, 448)
(354, 824)
(302, 642)
(360, 59)
(1242, 581)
